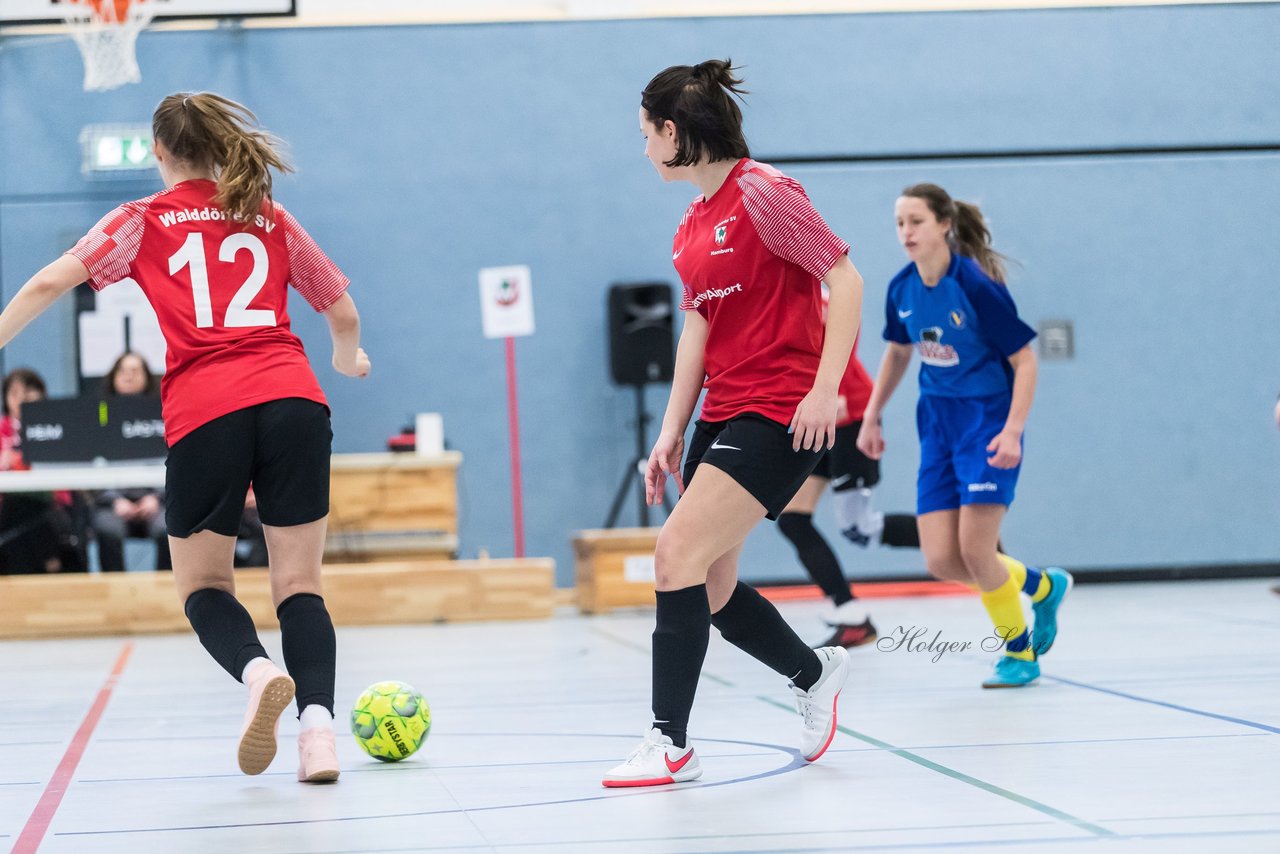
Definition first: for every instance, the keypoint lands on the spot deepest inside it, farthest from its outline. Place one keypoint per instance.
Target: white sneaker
(817, 706)
(656, 761)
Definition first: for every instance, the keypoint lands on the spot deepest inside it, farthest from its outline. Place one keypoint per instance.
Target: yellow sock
(1025, 577)
(1005, 609)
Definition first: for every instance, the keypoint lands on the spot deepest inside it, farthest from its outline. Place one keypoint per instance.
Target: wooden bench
(614, 568)
(392, 507)
(44, 606)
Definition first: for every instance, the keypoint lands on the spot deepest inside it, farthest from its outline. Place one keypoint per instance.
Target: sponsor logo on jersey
(715, 293)
(933, 351)
(957, 318)
(721, 232)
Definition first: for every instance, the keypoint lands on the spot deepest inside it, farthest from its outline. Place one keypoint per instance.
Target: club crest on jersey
(933, 351)
(721, 232)
(957, 318)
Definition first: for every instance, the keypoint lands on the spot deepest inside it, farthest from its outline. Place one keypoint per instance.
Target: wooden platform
(392, 507)
(356, 594)
(614, 568)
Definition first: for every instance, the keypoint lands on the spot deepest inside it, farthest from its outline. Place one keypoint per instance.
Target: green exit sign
(122, 151)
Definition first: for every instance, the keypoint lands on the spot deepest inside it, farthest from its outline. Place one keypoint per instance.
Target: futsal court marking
(38, 823)
(1267, 728)
(795, 763)
(990, 788)
(983, 843)
(1162, 703)
(416, 768)
(54, 793)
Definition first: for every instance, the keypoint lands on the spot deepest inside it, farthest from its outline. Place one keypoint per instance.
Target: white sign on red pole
(506, 301)
(506, 308)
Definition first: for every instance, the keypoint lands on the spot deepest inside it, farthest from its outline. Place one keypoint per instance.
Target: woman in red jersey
(215, 256)
(752, 253)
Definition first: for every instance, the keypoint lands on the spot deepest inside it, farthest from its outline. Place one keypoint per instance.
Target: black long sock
(751, 623)
(679, 647)
(310, 648)
(816, 555)
(225, 629)
(900, 530)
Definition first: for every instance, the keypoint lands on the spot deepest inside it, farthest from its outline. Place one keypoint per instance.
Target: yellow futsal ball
(390, 721)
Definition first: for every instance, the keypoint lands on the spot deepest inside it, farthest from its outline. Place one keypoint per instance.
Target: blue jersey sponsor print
(965, 328)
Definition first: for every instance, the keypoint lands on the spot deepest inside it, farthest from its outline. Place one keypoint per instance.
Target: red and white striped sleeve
(787, 223)
(111, 246)
(311, 272)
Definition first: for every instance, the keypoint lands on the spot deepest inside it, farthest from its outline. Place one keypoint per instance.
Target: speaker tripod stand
(635, 471)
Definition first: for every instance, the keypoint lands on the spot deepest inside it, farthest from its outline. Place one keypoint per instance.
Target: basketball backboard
(30, 12)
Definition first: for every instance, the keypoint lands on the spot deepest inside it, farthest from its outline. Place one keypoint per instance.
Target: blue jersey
(965, 327)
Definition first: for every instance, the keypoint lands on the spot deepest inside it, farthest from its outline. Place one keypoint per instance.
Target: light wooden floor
(1155, 728)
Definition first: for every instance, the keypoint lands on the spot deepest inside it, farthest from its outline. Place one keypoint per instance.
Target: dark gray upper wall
(426, 153)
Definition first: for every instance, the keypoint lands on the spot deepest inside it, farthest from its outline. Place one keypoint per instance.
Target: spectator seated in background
(136, 513)
(139, 513)
(36, 530)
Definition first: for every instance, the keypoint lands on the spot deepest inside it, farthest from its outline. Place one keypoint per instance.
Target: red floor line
(42, 816)
(876, 590)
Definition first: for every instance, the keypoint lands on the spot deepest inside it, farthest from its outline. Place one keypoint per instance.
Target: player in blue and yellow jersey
(977, 379)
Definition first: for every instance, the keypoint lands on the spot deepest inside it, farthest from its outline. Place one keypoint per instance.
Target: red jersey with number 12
(751, 258)
(219, 291)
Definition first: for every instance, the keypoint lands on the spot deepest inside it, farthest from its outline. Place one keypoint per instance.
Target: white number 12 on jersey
(238, 312)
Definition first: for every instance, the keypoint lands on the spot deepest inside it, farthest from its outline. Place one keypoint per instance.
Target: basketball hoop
(106, 31)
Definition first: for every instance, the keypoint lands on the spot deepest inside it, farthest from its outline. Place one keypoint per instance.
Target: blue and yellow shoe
(1013, 673)
(1045, 631)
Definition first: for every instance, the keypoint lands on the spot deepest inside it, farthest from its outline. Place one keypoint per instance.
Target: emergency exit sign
(121, 151)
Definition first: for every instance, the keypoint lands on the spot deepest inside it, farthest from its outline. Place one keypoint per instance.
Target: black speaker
(641, 333)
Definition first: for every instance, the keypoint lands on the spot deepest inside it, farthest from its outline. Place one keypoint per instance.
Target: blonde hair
(216, 133)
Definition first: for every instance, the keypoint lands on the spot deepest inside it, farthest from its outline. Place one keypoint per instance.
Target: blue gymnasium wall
(426, 153)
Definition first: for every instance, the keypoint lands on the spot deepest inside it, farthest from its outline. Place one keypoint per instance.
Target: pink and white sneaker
(655, 762)
(270, 692)
(317, 756)
(817, 706)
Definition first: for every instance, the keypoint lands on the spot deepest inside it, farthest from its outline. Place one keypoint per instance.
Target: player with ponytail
(215, 256)
(752, 254)
(977, 379)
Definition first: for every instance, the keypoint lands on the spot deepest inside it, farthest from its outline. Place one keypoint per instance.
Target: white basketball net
(106, 31)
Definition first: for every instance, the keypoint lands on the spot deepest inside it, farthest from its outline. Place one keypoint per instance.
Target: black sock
(900, 530)
(816, 555)
(751, 623)
(225, 629)
(310, 648)
(679, 647)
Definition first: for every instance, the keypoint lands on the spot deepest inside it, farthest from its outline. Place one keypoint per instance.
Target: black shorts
(756, 453)
(845, 466)
(281, 447)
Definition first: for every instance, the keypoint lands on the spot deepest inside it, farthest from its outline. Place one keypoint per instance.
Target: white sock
(859, 523)
(314, 716)
(851, 613)
(244, 674)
